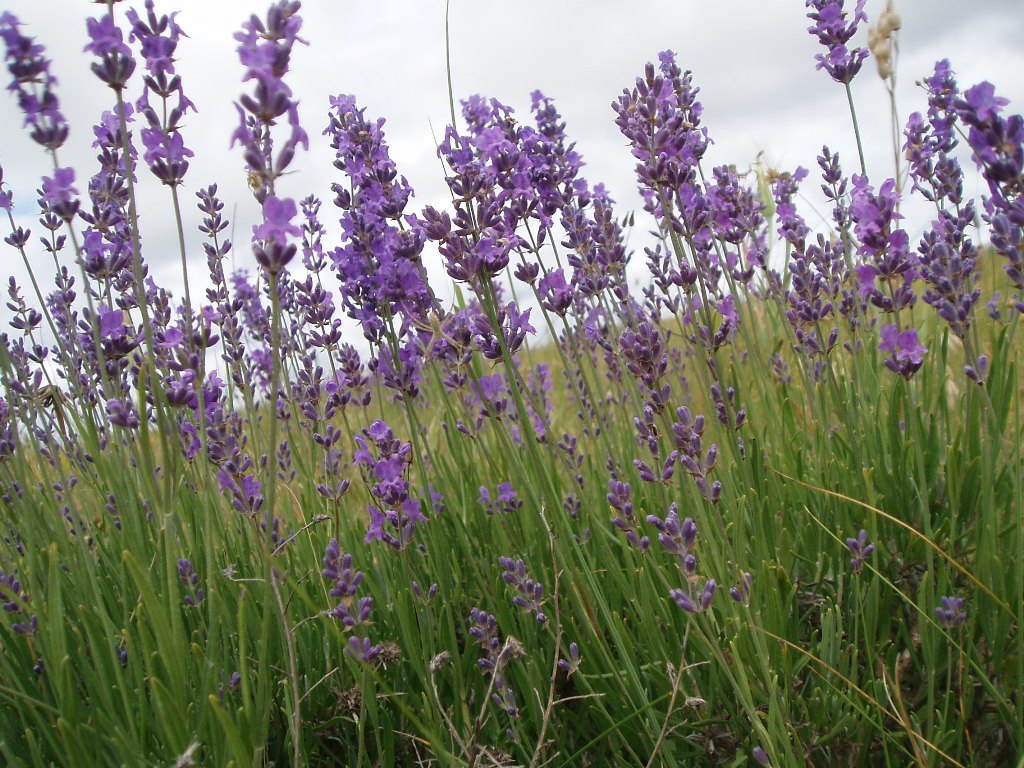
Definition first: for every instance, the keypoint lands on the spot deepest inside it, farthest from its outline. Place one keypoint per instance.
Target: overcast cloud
(753, 61)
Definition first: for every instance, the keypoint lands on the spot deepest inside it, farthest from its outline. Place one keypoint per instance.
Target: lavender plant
(538, 437)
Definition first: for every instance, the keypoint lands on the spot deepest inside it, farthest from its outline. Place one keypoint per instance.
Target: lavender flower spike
(951, 613)
(33, 84)
(860, 549)
(530, 591)
(834, 31)
(264, 49)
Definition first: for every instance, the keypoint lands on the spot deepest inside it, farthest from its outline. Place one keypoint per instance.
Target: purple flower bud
(951, 613)
(860, 549)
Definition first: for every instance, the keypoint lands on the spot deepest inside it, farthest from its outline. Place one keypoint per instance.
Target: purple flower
(905, 352)
(264, 49)
(529, 591)
(277, 221)
(625, 519)
(646, 358)
(112, 324)
(884, 246)
(694, 603)
(982, 103)
(741, 593)
(833, 31)
(394, 513)
(506, 502)
(270, 239)
(346, 579)
(383, 283)
(678, 538)
(59, 191)
(166, 154)
(572, 664)
(363, 649)
(106, 41)
(513, 327)
(12, 597)
(33, 83)
(123, 414)
(158, 37)
(860, 549)
(951, 613)
(997, 143)
(190, 579)
(555, 294)
(484, 629)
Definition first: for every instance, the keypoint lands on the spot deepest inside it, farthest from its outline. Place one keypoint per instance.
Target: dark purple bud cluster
(860, 550)
(508, 332)
(949, 261)
(8, 432)
(654, 475)
(644, 350)
(426, 596)
(107, 240)
(817, 272)
(233, 682)
(619, 499)
(121, 651)
(14, 600)
(538, 402)
(951, 613)
(529, 591)
(484, 629)
(225, 447)
(346, 580)
(190, 580)
(596, 250)
(680, 540)
(363, 649)
(694, 603)
(687, 434)
(488, 398)
(741, 592)
(571, 665)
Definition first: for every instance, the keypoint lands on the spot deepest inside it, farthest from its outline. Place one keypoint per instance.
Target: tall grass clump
(762, 507)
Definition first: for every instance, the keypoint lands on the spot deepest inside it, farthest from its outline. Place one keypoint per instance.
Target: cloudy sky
(752, 59)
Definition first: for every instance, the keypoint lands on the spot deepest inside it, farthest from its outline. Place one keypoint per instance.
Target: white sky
(752, 59)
